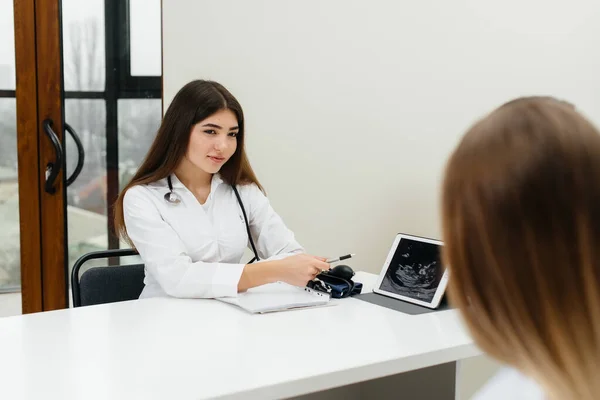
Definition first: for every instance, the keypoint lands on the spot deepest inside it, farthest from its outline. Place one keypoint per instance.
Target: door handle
(80, 154)
(52, 169)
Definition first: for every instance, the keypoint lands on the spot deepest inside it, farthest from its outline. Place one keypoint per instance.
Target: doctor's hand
(297, 270)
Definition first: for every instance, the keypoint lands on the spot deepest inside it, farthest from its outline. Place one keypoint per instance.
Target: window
(145, 38)
(10, 253)
(115, 114)
(113, 88)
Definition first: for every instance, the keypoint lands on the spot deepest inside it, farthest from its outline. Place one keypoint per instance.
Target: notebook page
(277, 296)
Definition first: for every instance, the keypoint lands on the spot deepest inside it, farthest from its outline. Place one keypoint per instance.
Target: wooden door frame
(40, 96)
(51, 106)
(28, 156)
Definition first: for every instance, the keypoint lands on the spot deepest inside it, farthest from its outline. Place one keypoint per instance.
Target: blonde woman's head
(521, 227)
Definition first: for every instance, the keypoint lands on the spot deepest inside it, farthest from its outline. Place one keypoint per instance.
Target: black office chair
(99, 285)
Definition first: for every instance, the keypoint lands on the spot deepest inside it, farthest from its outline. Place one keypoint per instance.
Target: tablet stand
(400, 305)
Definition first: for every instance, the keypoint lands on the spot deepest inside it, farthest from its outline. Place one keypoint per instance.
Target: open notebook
(277, 296)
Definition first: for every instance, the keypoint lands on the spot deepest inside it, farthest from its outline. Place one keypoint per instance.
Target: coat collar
(215, 182)
(177, 184)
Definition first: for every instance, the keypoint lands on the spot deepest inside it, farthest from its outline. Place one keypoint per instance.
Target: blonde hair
(521, 231)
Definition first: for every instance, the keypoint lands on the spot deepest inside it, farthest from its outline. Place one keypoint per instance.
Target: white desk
(194, 349)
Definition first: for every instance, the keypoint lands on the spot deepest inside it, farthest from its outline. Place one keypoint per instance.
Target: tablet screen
(415, 270)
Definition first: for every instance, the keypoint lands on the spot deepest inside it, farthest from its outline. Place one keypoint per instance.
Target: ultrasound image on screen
(415, 270)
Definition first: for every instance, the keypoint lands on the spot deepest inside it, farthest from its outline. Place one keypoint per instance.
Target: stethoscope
(171, 196)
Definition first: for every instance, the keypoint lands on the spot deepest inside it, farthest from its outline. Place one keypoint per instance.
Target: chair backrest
(110, 284)
(99, 285)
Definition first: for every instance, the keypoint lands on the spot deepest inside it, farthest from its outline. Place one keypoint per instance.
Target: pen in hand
(332, 260)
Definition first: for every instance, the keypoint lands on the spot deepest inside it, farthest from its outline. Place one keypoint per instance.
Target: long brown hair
(521, 227)
(195, 102)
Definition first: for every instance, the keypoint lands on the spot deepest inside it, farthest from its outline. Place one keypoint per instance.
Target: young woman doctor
(181, 213)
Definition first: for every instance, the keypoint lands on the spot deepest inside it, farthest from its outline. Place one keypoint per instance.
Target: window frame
(130, 84)
(119, 84)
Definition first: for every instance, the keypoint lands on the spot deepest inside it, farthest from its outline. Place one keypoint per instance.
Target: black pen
(340, 258)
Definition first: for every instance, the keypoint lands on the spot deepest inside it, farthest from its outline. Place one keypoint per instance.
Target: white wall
(353, 106)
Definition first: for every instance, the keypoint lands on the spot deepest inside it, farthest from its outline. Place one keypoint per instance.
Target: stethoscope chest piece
(172, 197)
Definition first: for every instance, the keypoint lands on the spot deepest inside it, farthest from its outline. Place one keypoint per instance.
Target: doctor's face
(213, 141)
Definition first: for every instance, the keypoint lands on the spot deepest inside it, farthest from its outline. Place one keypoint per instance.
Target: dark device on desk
(413, 279)
(337, 282)
(413, 271)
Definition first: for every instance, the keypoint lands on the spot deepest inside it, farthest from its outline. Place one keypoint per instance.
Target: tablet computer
(413, 271)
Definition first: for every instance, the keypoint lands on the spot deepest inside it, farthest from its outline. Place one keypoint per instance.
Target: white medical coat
(509, 383)
(195, 250)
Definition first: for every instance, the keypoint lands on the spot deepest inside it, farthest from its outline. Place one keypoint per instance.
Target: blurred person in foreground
(521, 227)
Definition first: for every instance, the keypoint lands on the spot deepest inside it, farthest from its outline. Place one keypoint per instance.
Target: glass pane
(145, 37)
(139, 120)
(83, 45)
(10, 253)
(86, 196)
(7, 46)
